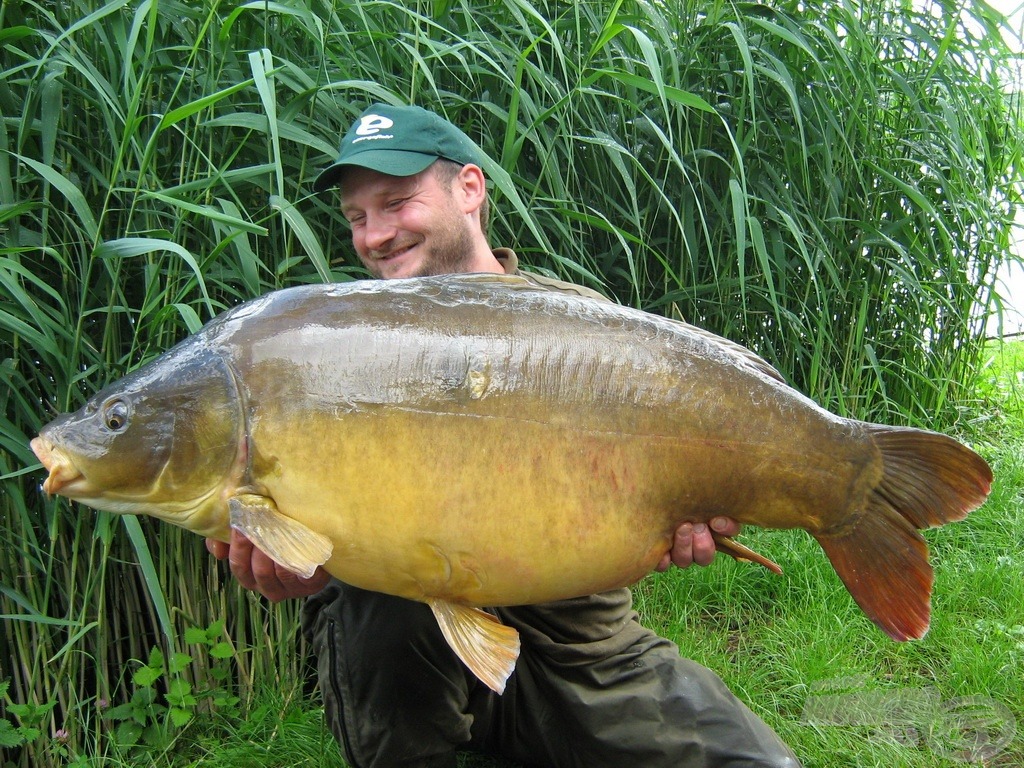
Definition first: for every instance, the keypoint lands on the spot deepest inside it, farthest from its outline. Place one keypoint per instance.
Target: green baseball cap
(399, 141)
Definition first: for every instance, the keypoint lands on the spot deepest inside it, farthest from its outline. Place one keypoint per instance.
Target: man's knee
(394, 693)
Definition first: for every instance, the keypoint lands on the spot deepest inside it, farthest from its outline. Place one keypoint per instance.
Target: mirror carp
(471, 441)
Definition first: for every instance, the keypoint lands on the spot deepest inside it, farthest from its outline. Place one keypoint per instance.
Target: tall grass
(832, 186)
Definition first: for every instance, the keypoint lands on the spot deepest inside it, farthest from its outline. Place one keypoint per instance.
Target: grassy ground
(802, 655)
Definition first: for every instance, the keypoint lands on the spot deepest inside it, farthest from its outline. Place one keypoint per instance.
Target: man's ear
(470, 188)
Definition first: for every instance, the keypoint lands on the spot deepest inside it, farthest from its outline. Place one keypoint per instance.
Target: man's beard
(450, 250)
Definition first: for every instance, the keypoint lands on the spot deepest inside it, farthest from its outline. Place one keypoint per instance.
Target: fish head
(162, 441)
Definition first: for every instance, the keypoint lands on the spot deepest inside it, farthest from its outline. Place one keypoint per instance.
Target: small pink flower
(62, 735)
(102, 703)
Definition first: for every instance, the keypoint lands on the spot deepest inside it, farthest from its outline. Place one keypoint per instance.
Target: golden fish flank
(472, 441)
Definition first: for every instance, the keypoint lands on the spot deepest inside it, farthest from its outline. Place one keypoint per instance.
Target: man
(592, 687)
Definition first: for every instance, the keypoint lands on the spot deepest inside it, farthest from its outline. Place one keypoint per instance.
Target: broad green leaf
(130, 247)
(204, 211)
(186, 111)
(195, 635)
(180, 716)
(72, 193)
(149, 573)
(146, 676)
(222, 651)
(670, 92)
(262, 63)
(304, 234)
(10, 736)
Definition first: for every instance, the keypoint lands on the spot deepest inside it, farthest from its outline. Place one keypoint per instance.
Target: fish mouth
(66, 479)
(62, 472)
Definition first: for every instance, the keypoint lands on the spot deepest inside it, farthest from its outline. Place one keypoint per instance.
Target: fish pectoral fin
(484, 644)
(287, 542)
(744, 554)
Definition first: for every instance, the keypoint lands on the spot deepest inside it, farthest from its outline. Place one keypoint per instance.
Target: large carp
(473, 441)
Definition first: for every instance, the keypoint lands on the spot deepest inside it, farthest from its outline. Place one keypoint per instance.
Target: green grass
(279, 731)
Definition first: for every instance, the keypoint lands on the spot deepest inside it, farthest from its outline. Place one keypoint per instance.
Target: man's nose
(378, 231)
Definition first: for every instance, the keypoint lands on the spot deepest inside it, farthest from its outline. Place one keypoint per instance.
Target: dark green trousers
(592, 688)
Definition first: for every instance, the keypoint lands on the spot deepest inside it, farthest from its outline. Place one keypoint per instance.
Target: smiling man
(592, 687)
(412, 226)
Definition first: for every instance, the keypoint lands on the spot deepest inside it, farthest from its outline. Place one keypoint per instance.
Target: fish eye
(115, 415)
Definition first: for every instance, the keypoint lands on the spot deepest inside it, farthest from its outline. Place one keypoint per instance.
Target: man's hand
(255, 571)
(693, 542)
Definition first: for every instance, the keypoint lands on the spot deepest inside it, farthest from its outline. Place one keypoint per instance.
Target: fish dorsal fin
(484, 644)
(491, 280)
(288, 542)
(521, 283)
(749, 357)
(498, 278)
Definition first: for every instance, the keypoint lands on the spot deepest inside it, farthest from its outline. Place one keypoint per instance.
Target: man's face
(405, 226)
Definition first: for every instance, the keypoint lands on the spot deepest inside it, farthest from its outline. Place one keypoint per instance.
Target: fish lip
(62, 472)
(43, 449)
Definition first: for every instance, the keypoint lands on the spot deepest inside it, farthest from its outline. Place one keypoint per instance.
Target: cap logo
(370, 125)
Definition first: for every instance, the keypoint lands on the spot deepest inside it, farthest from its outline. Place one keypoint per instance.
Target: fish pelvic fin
(744, 554)
(928, 479)
(485, 645)
(287, 542)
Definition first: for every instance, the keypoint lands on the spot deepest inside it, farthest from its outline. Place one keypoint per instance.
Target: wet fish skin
(473, 441)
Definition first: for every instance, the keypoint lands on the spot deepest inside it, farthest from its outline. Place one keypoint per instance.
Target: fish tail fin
(927, 480)
(485, 645)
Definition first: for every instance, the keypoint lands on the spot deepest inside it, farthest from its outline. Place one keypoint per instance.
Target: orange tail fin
(929, 480)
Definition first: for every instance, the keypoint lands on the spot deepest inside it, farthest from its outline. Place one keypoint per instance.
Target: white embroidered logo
(370, 125)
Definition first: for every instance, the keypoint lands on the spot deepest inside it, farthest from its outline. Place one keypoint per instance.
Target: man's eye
(396, 203)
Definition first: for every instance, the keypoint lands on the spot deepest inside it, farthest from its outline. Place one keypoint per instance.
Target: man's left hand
(693, 542)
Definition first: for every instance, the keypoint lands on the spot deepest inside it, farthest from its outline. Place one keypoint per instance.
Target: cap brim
(389, 161)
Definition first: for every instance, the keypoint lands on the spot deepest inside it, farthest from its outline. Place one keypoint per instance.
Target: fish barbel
(471, 441)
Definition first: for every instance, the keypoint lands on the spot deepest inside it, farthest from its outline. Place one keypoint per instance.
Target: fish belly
(504, 511)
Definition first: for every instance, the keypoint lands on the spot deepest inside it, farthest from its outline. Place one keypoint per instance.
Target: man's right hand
(256, 571)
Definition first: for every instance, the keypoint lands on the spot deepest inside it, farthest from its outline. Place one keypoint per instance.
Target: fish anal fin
(286, 541)
(485, 645)
(883, 561)
(734, 549)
